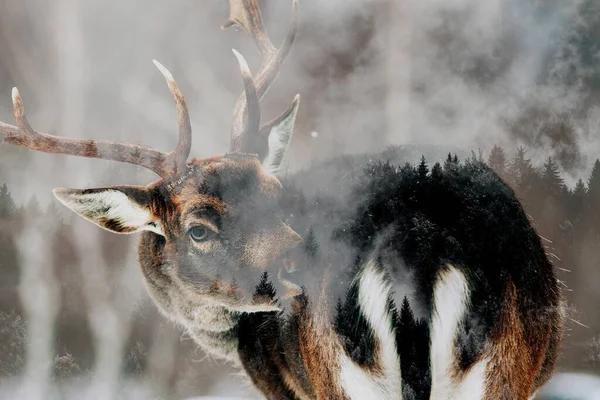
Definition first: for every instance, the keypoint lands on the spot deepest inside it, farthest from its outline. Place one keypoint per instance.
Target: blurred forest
(455, 74)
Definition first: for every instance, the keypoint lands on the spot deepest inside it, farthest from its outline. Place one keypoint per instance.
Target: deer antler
(166, 165)
(252, 101)
(246, 14)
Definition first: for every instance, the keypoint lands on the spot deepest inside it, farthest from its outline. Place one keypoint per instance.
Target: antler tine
(166, 165)
(177, 158)
(253, 106)
(246, 14)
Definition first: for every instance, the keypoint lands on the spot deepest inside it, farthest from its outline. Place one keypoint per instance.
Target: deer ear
(120, 209)
(280, 132)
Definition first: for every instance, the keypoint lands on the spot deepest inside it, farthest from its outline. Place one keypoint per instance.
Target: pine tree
(594, 182)
(578, 198)
(476, 157)
(554, 185)
(311, 246)
(53, 211)
(580, 190)
(412, 336)
(519, 168)
(407, 318)
(7, 204)
(436, 171)
(33, 208)
(591, 216)
(405, 337)
(450, 162)
(422, 169)
(526, 180)
(498, 161)
(265, 287)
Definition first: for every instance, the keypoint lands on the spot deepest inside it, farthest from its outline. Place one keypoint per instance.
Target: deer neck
(213, 327)
(223, 344)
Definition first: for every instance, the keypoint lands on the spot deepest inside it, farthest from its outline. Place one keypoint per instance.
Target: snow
(571, 386)
(77, 389)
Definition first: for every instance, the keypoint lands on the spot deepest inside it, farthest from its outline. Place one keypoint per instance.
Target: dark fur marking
(257, 352)
(354, 330)
(261, 350)
(412, 338)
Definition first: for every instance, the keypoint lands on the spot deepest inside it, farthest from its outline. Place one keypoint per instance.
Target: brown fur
(320, 349)
(293, 383)
(513, 361)
(556, 336)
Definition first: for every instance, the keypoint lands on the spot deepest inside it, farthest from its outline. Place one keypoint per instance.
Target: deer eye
(198, 233)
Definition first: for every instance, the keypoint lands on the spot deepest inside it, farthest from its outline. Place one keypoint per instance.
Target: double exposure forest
(436, 76)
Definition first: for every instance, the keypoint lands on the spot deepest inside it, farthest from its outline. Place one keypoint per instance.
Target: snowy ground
(564, 386)
(132, 390)
(571, 386)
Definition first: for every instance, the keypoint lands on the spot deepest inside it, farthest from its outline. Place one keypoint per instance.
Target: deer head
(209, 226)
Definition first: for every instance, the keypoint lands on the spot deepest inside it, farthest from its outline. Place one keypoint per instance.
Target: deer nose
(289, 288)
(289, 265)
(287, 269)
(287, 239)
(293, 237)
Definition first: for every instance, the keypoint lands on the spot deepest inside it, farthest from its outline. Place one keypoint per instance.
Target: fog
(456, 74)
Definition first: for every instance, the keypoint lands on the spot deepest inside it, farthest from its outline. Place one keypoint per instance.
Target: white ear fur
(280, 137)
(110, 209)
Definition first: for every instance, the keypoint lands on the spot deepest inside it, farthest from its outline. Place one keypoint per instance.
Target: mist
(448, 75)
(371, 74)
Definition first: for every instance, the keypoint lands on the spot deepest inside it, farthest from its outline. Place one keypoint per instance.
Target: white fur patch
(451, 301)
(109, 204)
(279, 139)
(218, 345)
(373, 295)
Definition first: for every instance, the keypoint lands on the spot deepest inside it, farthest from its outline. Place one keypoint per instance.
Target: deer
(355, 278)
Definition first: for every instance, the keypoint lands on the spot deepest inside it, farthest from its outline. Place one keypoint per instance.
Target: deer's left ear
(120, 209)
(279, 132)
